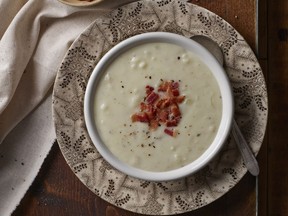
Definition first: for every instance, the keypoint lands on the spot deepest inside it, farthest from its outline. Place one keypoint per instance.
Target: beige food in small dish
(81, 3)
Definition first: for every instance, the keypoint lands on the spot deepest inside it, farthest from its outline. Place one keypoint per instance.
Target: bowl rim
(223, 83)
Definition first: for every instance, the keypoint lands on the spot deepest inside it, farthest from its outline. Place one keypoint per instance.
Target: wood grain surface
(57, 191)
(278, 99)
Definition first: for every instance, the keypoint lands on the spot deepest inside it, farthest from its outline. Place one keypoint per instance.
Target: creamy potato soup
(157, 107)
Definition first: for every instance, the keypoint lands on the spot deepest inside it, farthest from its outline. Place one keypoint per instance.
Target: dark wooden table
(57, 191)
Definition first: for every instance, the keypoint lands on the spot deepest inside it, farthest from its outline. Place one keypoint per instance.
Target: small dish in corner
(80, 3)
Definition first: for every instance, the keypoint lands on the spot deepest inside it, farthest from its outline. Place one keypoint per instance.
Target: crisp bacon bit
(140, 117)
(143, 106)
(159, 103)
(171, 91)
(177, 100)
(175, 92)
(172, 123)
(161, 108)
(174, 85)
(149, 89)
(153, 125)
(163, 103)
(163, 86)
(151, 112)
(163, 115)
(152, 97)
(175, 111)
(170, 132)
(180, 99)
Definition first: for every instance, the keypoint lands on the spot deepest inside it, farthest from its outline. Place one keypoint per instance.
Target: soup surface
(151, 143)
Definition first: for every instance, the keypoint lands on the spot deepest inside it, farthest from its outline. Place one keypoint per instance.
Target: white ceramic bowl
(216, 69)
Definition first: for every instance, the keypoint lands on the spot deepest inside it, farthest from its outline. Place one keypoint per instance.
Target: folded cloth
(34, 36)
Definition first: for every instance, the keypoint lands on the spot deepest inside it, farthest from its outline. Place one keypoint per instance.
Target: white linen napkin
(34, 36)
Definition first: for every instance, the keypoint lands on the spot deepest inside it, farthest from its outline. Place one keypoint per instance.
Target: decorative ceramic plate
(162, 198)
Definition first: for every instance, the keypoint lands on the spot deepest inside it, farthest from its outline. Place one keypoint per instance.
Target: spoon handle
(248, 156)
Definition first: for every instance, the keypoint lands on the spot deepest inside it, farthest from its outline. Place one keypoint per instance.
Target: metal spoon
(248, 157)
